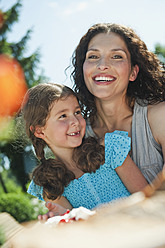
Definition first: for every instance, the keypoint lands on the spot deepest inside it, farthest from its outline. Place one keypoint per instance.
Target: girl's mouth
(74, 134)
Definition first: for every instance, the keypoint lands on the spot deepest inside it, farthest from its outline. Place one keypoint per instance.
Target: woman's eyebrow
(92, 49)
(118, 49)
(113, 49)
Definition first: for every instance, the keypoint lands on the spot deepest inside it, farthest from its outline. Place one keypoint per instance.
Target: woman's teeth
(104, 79)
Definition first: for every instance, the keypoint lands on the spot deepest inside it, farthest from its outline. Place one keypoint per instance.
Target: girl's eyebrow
(61, 111)
(66, 109)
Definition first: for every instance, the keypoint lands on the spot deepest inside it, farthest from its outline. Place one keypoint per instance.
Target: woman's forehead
(110, 40)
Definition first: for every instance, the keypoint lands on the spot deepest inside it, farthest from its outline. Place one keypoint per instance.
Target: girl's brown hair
(53, 174)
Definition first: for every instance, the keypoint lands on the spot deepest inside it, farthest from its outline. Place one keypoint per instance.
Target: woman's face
(107, 66)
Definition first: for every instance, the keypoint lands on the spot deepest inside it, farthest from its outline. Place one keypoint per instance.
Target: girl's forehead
(65, 102)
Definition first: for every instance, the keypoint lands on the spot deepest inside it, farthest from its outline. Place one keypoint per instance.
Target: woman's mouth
(104, 79)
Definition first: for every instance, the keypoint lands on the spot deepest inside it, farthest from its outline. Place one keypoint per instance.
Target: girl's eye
(62, 116)
(78, 112)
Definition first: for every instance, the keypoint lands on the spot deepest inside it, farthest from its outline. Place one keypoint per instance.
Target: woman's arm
(129, 172)
(131, 176)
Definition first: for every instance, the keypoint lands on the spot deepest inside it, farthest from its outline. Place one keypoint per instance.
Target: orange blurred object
(12, 85)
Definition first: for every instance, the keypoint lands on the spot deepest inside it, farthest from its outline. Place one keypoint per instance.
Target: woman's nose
(103, 64)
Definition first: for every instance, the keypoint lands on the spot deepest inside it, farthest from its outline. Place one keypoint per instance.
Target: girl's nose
(74, 121)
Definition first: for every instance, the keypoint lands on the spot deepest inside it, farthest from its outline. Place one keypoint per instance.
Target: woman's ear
(134, 73)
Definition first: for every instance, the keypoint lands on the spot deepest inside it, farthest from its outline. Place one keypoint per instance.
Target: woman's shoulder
(153, 112)
(156, 109)
(156, 119)
(156, 113)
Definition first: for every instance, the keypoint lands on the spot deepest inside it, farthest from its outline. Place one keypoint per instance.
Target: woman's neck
(111, 116)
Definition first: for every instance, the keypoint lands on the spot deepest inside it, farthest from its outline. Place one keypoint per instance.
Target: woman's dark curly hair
(53, 175)
(149, 85)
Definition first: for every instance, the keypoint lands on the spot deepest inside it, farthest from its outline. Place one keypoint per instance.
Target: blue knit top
(102, 186)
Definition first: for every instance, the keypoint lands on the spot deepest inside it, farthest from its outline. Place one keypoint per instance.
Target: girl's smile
(65, 126)
(74, 134)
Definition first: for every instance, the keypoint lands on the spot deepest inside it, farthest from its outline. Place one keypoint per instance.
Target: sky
(58, 25)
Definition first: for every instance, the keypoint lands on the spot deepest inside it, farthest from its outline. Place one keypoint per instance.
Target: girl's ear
(134, 73)
(38, 132)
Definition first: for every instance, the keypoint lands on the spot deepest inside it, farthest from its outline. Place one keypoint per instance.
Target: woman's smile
(107, 66)
(103, 79)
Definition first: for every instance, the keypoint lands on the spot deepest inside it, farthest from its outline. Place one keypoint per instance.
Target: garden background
(16, 153)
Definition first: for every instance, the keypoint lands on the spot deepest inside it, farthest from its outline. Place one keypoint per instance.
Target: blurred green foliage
(30, 63)
(18, 205)
(160, 52)
(7, 126)
(22, 206)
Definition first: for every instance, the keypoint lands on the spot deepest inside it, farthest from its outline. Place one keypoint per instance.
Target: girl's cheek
(84, 123)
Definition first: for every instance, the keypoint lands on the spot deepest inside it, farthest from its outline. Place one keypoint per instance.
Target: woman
(121, 86)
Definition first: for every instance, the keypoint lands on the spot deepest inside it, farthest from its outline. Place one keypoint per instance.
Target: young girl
(81, 174)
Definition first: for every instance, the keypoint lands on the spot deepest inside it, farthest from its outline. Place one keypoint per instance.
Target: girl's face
(65, 126)
(107, 66)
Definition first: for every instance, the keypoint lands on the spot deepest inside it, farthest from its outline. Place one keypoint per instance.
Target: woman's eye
(117, 56)
(92, 56)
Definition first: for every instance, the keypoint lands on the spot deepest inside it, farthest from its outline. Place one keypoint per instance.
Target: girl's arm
(131, 176)
(63, 202)
(56, 207)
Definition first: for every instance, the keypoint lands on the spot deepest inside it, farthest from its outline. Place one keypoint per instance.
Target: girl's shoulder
(117, 147)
